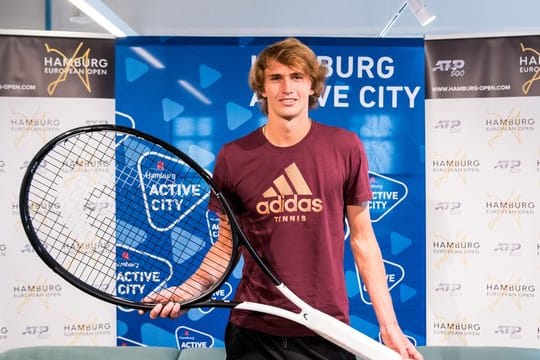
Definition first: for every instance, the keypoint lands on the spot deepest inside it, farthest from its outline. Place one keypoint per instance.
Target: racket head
(124, 216)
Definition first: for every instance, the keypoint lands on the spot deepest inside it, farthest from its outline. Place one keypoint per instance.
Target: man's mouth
(288, 101)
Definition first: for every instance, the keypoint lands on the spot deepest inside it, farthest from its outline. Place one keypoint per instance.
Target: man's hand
(394, 338)
(168, 303)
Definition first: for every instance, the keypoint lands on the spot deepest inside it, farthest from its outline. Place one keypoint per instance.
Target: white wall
(285, 17)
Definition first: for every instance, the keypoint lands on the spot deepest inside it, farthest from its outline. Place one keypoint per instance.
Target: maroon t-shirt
(291, 204)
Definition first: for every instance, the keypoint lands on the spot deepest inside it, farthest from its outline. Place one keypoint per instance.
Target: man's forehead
(275, 67)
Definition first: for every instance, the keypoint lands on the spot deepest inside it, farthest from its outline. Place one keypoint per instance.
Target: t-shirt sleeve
(357, 187)
(221, 178)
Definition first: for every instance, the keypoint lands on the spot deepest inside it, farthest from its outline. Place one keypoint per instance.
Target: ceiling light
(148, 57)
(421, 12)
(80, 18)
(394, 18)
(104, 16)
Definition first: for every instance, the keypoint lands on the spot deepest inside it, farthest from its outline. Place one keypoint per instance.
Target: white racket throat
(326, 326)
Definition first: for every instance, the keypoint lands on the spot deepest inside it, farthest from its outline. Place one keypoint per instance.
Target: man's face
(287, 91)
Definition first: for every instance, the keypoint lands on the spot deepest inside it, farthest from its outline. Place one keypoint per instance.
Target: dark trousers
(246, 344)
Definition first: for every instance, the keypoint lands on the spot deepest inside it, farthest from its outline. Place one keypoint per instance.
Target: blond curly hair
(295, 54)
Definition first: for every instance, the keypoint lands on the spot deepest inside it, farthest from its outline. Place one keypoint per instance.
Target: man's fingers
(176, 311)
(165, 312)
(165, 305)
(156, 310)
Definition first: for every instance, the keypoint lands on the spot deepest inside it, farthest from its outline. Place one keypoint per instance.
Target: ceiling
(362, 18)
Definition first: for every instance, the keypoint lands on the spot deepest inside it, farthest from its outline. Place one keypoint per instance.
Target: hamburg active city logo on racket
(162, 194)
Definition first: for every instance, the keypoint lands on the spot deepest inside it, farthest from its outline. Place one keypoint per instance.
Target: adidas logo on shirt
(289, 193)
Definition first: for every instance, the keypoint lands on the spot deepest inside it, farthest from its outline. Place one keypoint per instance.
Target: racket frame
(321, 323)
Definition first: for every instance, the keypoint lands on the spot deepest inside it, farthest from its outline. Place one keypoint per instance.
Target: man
(292, 182)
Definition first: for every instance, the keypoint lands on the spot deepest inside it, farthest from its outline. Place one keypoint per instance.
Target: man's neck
(284, 133)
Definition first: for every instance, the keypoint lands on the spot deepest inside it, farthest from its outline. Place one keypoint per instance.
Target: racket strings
(127, 217)
(188, 238)
(92, 262)
(210, 270)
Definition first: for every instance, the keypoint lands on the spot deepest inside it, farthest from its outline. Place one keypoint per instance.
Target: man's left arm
(368, 258)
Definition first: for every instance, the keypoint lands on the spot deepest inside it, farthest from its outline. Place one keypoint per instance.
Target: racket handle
(331, 329)
(347, 337)
(327, 326)
(340, 333)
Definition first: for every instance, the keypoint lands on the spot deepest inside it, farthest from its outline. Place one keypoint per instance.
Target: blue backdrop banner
(193, 92)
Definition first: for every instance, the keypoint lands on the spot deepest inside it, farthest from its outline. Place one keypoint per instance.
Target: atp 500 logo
(455, 67)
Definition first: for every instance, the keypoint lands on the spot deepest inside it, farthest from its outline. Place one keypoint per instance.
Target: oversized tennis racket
(125, 216)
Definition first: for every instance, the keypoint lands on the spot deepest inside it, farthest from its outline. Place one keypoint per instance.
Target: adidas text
(289, 204)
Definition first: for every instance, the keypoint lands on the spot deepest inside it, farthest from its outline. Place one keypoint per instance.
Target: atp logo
(511, 331)
(39, 331)
(453, 67)
(451, 289)
(449, 65)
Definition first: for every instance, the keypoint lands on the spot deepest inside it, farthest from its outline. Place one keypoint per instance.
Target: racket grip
(348, 337)
(327, 327)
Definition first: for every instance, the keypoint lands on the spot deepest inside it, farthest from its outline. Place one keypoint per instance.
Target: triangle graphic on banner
(157, 336)
(135, 69)
(399, 242)
(406, 293)
(237, 115)
(208, 76)
(171, 109)
(201, 156)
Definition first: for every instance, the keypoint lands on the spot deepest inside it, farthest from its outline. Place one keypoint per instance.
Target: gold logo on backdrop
(459, 164)
(536, 69)
(458, 247)
(460, 329)
(39, 123)
(93, 328)
(515, 290)
(514, 123)
(513, 206)
(40, 290)
(71, 66)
